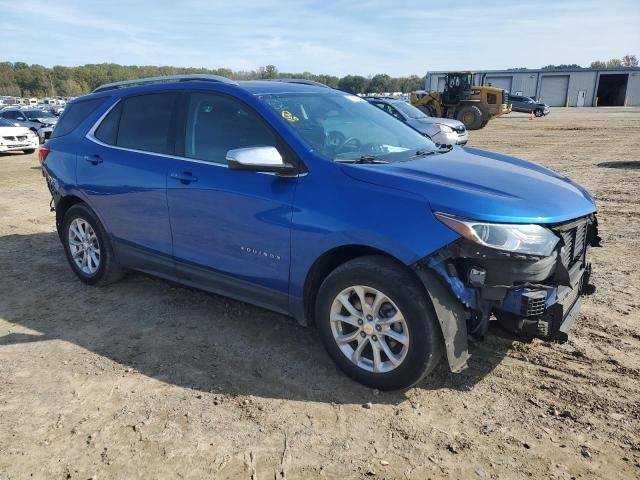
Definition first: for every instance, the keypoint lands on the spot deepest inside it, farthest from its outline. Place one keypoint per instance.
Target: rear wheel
(88, 248)
(378, 324)
(471, 116)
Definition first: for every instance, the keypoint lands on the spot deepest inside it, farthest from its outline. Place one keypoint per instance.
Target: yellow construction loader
(472, 105)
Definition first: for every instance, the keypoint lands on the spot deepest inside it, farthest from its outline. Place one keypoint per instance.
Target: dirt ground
(148, 379)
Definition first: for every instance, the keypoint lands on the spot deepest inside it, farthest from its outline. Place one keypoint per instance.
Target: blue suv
(311, 202)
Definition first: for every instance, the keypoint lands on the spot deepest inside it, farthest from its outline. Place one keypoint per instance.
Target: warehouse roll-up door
(553, 90)
(500, 82)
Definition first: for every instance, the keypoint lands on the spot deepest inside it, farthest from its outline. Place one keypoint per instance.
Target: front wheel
(377, 323)
(29, 151)
(539, 113)
(471, 116)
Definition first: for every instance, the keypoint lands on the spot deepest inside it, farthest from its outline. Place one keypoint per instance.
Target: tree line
(22, 80)
(629, 60)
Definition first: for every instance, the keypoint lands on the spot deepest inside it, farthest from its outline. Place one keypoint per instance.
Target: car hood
(483, 186)
(443, 121)
(13, 131)
(47, 120)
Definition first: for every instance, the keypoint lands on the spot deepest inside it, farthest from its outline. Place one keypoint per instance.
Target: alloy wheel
(369, 329)
(84, 246)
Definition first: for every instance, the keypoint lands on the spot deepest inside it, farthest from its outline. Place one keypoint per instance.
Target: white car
(15, 139)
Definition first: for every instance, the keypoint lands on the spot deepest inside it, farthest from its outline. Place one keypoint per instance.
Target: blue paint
(293, 221)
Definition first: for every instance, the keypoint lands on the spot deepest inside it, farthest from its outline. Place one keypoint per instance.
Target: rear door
(516, 103)
(122, 169)
(231, 229)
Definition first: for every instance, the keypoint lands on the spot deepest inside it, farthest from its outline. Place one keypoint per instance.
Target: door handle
(93, 159)
(185, 177)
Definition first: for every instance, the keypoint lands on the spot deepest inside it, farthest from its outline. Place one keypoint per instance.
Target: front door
(231, 229)
(122, 168)
(581, 95)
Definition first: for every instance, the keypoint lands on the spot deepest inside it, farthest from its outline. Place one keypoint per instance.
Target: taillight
(42, 154)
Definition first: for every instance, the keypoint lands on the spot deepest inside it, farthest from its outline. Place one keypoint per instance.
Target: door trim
(139, 259)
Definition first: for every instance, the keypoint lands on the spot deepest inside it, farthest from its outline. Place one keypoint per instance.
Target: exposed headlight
(524, 238)
(443, 128)
(30, 133)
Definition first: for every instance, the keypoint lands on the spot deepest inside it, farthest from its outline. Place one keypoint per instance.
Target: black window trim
(283, 147)
(179, 124)
(104, 98)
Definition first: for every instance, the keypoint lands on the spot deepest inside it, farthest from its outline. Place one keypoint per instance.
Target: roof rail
(193, 77)
(302, 81)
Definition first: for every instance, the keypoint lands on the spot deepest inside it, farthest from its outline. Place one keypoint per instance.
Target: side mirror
(259, 159)
(22, 119)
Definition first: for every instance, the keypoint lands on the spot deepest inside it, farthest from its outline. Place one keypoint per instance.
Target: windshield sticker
(289, 117)
(354, 98)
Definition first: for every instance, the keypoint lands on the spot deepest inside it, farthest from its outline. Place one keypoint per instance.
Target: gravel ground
(148, 379)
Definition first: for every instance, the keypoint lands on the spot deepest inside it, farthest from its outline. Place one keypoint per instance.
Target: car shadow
(183, 336)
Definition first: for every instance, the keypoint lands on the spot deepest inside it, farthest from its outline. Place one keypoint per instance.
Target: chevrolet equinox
(313, 203)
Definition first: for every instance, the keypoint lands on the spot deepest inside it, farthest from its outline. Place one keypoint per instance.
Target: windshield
(38, 114)
(345, 127)
(409, 110)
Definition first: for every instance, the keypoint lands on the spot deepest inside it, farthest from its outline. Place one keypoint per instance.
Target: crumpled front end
(532, 296)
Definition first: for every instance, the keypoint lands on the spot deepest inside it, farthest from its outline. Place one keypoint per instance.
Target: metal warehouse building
(584, 87)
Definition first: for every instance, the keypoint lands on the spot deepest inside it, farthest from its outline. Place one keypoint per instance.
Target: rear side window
(145, 123)
(74, 114)
(107, 132)
(11, 114)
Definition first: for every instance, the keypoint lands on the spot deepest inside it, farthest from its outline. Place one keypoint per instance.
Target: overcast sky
(320, 36)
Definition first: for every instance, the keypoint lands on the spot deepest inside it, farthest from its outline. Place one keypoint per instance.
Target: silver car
(36, 120)
(443, 131)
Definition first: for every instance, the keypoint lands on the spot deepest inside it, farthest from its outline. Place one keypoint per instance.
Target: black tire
(538, 113)
(471, 116)
(108, 270)
(426, 344)
(29, 151)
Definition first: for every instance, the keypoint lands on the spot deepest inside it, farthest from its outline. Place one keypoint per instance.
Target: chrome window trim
(91, 137)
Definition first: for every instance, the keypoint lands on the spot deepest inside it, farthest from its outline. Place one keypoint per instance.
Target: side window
(145, 122)
(107, 131)
(74, 114)
(11, 114)
(394, 112)
(216, 124)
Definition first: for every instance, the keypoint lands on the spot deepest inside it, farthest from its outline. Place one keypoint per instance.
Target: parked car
(316, 204)
(15, 139)
(39, 121)
(528, 105)
(443, 131)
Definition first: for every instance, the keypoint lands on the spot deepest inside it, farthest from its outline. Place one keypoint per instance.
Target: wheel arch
(327, 263)
(62, 207)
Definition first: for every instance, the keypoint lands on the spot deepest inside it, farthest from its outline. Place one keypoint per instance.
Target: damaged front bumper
(529, 295)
